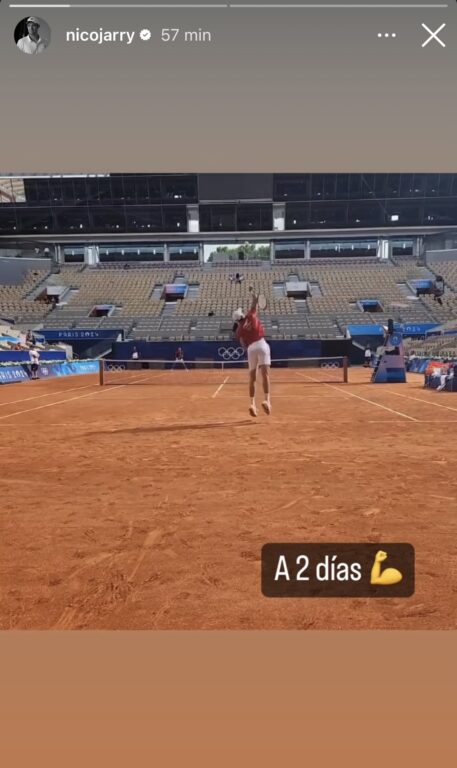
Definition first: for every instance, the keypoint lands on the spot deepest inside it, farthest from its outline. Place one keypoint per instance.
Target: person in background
(447, 374)
(34, 361)
(179, 359)
(367, 355)
(135, 358)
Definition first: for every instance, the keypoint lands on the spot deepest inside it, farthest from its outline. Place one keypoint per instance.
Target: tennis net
(306, 370)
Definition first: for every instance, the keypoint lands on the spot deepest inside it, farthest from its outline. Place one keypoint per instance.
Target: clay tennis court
(138, 507)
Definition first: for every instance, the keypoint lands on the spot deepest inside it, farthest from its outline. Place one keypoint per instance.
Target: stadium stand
(448, 310)
(16, 303)
(132, 297)
(438, 346)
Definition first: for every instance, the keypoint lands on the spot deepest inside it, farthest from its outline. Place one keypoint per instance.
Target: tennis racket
(261, 299)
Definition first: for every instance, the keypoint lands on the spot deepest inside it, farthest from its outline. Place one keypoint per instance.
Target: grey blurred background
(276, 90)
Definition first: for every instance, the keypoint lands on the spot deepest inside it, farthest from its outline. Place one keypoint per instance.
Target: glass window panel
(404, 213)
(317, 186)
(43, 191)
(292, 187)
(440, 212)
(31, 190)
(393, 185)
(421, 181)
(92, 190)
(117, 189)
(104, 190)
(154, 191)
(80, 190)
(174, 218)
(445, 184)
(355, 186)
(8, 222)
(56, 191)
(266, 220)
(367, 188)
(184, 252)
(73, 257)
(215, 218)
(330, 186)
(407, 185)
(328, 215)
(179, 189)
(380, 184)
(289, 250)
(366, 214)
(108, 219)
(144, 219)
(35, 220)
(129, 189)
(73, 220)
(342, 186)
(297, 216)
(254, 217)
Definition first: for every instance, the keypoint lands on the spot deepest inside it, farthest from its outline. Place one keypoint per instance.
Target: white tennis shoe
(266, 407)
(253, 410)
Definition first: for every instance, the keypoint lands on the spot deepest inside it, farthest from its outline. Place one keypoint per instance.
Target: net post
(101, 371)
(345, 369)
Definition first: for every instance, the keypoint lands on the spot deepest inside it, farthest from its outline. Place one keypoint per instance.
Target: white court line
(48, 394)
(60, 402)
(296, 397)
(364, 399)
(220, 387)
(426, 402)
(391, 421)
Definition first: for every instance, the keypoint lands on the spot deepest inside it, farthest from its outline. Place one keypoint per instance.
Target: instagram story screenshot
(228, 381)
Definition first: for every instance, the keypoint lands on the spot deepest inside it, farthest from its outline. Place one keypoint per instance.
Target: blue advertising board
(80, 334)
(68, 369)
(407, 329)
(421, 284)
(10, 374)
(366, 330)
(225, 351)
(414, 329)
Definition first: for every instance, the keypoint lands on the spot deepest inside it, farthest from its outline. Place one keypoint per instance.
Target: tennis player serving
(251, 334)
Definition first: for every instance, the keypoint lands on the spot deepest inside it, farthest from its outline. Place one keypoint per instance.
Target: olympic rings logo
(115, 368)
(231, 353)
(333, 364)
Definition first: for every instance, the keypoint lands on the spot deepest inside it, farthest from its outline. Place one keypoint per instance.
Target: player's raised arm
(255, 300)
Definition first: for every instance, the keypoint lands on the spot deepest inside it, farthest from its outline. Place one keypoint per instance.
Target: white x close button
(434, 36)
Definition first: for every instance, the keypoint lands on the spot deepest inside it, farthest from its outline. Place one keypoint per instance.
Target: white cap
(238, 315)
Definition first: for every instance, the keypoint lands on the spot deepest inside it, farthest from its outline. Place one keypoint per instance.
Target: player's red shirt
(250, 329)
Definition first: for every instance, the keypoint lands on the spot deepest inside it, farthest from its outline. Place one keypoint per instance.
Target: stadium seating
(15, 302)
(135, 295)
(448, 310)
(439, 346)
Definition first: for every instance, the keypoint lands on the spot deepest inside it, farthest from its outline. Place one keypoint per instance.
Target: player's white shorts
(258, 354)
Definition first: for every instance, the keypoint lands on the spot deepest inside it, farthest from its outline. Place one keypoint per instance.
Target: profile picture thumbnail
(32, 35)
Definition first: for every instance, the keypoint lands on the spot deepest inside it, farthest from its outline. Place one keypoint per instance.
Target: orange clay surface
(138, 507)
